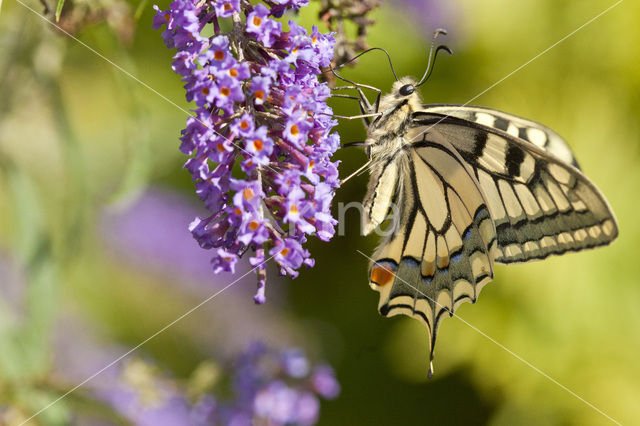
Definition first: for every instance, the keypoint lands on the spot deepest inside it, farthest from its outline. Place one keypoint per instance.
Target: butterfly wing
(539, 202)
(439, 254)
(518, 127)
(469, 193)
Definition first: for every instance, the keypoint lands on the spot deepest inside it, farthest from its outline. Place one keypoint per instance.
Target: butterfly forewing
(526, 130)
(540, 205)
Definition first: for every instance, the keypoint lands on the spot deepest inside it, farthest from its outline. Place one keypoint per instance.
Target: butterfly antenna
(433, 53)
(357, 56)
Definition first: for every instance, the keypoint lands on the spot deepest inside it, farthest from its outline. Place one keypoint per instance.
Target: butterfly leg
(365, 105)
(364, 102)
(355, 98)
(354, 117)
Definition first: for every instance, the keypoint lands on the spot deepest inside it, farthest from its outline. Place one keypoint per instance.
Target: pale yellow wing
(440, 254)
(540, 204)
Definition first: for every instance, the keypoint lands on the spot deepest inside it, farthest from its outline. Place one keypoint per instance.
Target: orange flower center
(244, 125)
(257, 21)
(293, 208)
(220, 147)
(218, 55)
(259, 94)
(238, 211)
(257, 144)
(294, 130)
(284, 251)
(248, 193)
(227, 6)
(205, 91)
(225, 91)
(167, 17)
(253, 225)
(233, 72)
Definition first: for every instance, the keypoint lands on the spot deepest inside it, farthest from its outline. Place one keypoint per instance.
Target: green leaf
(59, 9)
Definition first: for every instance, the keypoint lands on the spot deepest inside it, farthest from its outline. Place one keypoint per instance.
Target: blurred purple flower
(324, 382)
(133, 235)
(267, 386)
(275, 388)
(258, 102)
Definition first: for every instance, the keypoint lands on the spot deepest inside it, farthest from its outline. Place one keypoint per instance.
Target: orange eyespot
(381, 275)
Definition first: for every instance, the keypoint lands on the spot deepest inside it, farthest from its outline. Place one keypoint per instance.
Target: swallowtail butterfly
(470, 186)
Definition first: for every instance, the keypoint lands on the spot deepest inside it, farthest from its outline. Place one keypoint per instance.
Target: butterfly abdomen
(384, 187)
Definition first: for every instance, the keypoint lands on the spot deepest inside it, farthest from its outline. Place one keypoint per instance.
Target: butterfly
(466, 187)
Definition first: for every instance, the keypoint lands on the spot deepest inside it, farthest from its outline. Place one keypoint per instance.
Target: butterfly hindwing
(440, 253)
(540, 204)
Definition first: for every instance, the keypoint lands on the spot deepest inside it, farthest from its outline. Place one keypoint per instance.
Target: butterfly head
(404, 91)
(407, 90)
(396, 112)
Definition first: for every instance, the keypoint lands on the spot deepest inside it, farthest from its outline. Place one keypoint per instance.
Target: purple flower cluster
(260, 140)
(267, 388)
(277, 388)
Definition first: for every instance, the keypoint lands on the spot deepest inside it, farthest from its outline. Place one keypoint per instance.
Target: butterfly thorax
(389, 132)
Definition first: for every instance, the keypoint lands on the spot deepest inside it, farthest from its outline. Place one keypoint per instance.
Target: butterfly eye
(406, 90)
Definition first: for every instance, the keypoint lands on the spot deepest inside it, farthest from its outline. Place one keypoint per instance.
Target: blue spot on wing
(456, 257)
(411, 262)
(467, 233)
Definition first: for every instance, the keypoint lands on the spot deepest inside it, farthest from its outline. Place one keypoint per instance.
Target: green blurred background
(84, 149)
